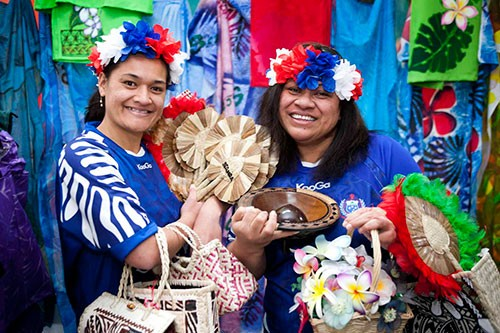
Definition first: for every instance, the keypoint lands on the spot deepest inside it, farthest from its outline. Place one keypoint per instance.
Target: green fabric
(70, 43)
(442, 53)
(146, 7)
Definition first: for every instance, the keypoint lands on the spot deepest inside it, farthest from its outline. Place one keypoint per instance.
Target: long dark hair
(348, 147)
(96, 107)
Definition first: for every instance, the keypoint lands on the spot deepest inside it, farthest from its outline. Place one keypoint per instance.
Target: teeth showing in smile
(138, 111)
(302, 117)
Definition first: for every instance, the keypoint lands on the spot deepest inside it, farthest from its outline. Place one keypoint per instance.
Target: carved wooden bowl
(300, 210)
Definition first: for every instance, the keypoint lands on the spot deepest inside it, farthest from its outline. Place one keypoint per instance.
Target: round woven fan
(263, 137)
(179, 186)
(179, 159)
(228, 129)
(434, 237)
(273, 160)
(234, 167)
(168, 150)
(191, 136)
(262, 178)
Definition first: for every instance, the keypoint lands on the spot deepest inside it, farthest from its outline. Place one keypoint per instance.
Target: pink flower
(305, 264)
(358, 288)
(459, 12)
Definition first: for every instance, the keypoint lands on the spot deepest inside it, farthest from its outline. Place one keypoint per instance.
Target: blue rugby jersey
(109, 201)
(360, 187)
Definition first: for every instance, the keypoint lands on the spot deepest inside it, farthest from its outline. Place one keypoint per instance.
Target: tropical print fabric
(76, 25)
(444, 41)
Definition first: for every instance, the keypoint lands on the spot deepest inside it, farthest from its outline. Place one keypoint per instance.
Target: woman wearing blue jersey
(324, 146)
(112, 196)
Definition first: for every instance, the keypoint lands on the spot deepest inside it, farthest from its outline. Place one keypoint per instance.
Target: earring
(100, 102)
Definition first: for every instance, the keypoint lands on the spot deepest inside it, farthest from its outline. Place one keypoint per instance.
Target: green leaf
(439, 48)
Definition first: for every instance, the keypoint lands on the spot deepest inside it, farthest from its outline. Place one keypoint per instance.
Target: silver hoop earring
(100, 102)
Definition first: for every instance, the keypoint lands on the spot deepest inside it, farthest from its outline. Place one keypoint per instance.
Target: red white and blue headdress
(308, 67)
(153, 42)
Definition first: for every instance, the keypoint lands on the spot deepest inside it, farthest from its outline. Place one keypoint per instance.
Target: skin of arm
(254, 230)
(207, 224)
(146, 255)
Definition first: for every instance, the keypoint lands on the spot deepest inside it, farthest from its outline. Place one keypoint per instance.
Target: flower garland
(309, 66)
(335, 285)
(130, 39)
(466, 230)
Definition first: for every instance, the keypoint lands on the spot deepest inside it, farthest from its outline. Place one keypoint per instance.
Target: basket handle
(377, 259)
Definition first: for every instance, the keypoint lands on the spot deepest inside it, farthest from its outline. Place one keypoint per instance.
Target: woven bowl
(319, 210)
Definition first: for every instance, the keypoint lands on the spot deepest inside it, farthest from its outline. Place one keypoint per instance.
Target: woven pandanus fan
(225, 157)
(169, 149)
(298, 209)
(233, 169)
(228, 129)
(192, 135)
(434, 237)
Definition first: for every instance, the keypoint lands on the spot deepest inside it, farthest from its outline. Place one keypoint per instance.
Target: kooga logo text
(144, 166)
(315, 187)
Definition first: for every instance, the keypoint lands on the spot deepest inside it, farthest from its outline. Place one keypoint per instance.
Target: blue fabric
(66, 92)
(359, 187)
(110, 201)
(203, 33)
(368, 42)
(24, 280)
(21, 85)
(174, 15)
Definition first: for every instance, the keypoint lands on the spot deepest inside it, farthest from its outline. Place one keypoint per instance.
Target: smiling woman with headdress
(113, 197)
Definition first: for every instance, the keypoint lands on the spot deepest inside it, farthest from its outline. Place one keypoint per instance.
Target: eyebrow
(138, 77)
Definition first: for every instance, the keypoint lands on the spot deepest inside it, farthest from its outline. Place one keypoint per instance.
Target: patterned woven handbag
(213, 261)
(193, 303)
(116, 314)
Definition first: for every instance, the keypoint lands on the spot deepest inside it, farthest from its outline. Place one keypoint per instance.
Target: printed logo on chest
(315, 187)
(351, 204)
(144, 166)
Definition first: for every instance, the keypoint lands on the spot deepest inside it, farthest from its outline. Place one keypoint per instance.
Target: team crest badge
(347, 206)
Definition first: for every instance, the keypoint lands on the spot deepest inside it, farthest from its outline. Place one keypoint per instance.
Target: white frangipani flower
(111, 47)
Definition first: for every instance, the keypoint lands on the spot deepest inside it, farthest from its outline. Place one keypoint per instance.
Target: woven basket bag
(367, 323)
(485, 279)
(193, 303)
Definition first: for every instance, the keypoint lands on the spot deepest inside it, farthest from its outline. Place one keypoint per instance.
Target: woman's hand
(190, 208)
(207, 224)
(254, 230)
(371, 218)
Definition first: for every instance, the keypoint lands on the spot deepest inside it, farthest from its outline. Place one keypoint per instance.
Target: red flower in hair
(166, 46)
(95, 62)
(292, 64)
(357, 91)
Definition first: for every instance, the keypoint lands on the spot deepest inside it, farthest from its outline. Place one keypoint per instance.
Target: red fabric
(282, 24)
(156, 151)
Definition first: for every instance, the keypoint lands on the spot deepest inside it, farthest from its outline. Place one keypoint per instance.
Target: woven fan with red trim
(184, 102)
(435, 238)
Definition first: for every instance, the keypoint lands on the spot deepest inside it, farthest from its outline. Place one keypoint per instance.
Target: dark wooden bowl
(320, 210)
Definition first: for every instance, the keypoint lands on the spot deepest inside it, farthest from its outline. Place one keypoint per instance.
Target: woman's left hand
(371, 218)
